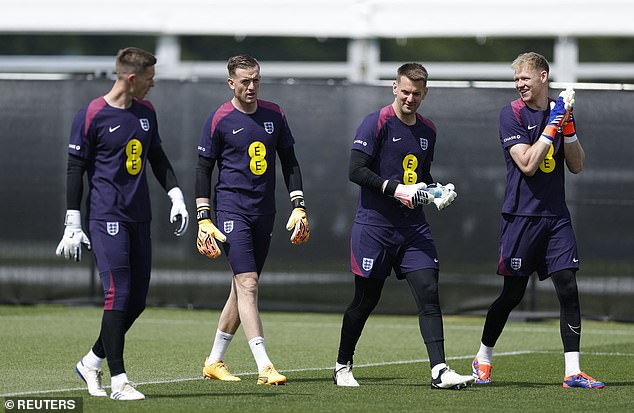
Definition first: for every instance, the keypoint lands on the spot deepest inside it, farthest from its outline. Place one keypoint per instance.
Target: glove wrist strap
(73, 218)
(203, 212)
(297, 199)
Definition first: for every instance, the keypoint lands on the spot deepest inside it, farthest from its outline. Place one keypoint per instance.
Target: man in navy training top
(538, 137)
(112, 140)
(391, 160)
(242, 137)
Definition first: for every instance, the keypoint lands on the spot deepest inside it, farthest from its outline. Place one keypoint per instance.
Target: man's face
(141, 83)
(532, 85)
(245, 84)
(409, 94)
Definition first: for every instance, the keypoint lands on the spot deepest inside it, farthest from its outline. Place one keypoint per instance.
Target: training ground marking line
(167, 381)
(378, 364)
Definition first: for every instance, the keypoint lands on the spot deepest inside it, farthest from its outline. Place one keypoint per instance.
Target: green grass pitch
(166, 347)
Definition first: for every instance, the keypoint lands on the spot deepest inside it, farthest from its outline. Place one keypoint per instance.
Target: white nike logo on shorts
(111, 129)
(234, 131)
(531, 127)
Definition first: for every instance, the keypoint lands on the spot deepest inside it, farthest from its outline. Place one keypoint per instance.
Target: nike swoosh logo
(234, 131)
(396, 139)
(435, 259)
(576, 330)
(575, 260)
(530, 127)
(111, 129)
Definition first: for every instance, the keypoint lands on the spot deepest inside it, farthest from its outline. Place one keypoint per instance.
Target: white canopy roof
(322, 18)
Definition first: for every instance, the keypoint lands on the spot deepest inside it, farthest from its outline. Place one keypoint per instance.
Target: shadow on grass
(224, 394)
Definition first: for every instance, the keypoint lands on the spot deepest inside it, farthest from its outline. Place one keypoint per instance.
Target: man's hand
(70, 245)
(298, 223)
(207, 233)
(568, 127)
(413, 195)
(178, 211)
(558, 114)
(444, 195)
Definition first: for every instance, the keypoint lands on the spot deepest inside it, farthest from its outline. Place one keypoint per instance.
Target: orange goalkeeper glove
(208, 233)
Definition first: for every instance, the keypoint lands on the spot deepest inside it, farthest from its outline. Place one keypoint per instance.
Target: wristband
(297, 199)
(570, 139)
(546, 140)
(203, 212)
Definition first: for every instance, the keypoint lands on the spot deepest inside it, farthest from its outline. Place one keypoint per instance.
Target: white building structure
(363, 22)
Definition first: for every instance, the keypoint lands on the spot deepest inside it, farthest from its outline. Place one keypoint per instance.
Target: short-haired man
(112, 140)
(538, 137)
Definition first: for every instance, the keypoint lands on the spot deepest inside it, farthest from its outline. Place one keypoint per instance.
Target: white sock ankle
(340, 366)
(117, 382)
(572, 363)
(435, 371)
(485, 354)
(220, 346)
(91, 360)
(259, 352)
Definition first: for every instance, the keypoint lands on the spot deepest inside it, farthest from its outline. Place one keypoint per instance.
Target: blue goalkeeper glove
(557, 116)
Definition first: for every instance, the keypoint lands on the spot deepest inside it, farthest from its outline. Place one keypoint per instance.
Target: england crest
(367, 263)
(268, 127)
(227, 226)
(145, 124)
(113, 228)
(516, 263)
(423, 143)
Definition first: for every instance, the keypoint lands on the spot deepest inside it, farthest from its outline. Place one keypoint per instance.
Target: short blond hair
(530, 60)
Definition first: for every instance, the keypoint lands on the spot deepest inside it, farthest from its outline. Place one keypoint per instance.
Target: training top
(542, 194)
(244, 146)
(115, 142)
(398, 152)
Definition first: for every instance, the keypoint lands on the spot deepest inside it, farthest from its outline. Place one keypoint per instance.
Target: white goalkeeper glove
(70, 245)
(178, 211)
(413, 195)
(444, 195)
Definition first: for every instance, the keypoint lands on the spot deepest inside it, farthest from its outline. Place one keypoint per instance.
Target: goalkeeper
(391, 161)
(242, 137)
(538, 137)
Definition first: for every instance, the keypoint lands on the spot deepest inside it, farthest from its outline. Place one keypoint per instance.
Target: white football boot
(343, 377)
(449, 379)
(92, 377)
(126, 392)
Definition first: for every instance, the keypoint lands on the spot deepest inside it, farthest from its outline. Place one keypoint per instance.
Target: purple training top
(399, 152)
(542, 194)
(244, 146)
(116, 143)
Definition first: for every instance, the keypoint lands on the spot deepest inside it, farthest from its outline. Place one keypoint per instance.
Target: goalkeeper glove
(413, 195)
(207, 233)
(444, 195)
(70, 245)
(298, 222)
(558, 113)
(568, 127)
(178, 211)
